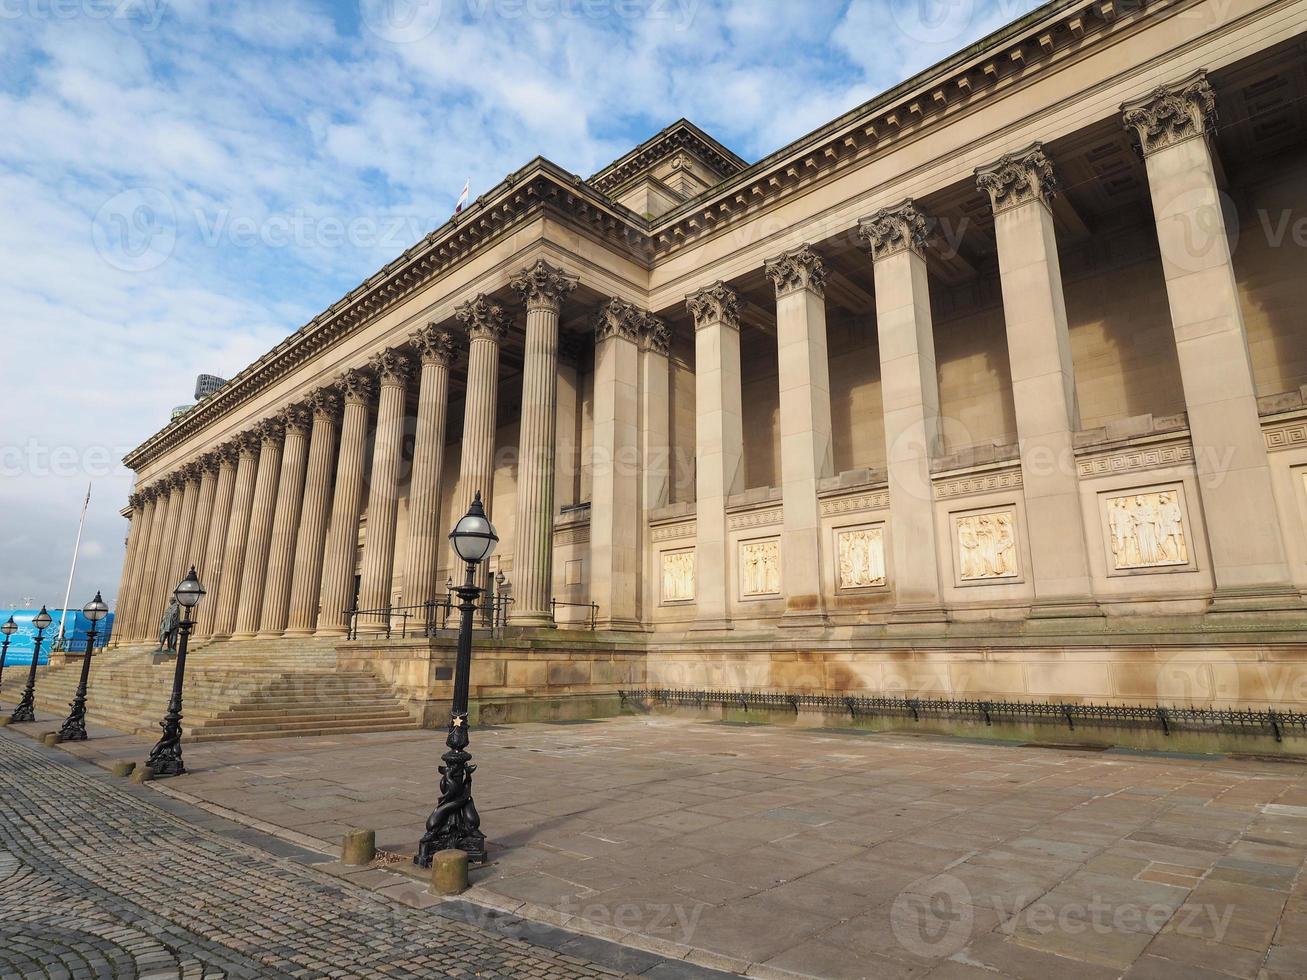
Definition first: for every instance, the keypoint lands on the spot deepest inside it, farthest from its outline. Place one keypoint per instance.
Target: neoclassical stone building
(993, 386)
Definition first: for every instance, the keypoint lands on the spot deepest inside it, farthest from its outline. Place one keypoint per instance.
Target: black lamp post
(8, 628)
(166, 756)
(74, 729)
(26, 710)
(455, 822)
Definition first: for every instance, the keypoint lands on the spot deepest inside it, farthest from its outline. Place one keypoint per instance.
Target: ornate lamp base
(74, 728)
(455, 823)
(26, 710)
(166, 756)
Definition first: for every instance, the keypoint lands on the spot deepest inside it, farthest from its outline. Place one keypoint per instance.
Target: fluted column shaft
(544, 289)
(199, 543)
(163, 583)
(238, 526)
(185, 524)
(144, 581)
(254, 575)
(285, 523)
(436, 348)
(136, 534)
(391, 369)
(343, 533)
(307, 584)
(487, 326)
(211, 571)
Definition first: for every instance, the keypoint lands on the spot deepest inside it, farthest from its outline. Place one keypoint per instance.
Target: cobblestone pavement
(97, 882)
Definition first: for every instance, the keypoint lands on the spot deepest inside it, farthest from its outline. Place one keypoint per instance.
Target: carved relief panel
(1146, 529)
(678, 576)
(860, 557)
(985, 546)
(760, 568)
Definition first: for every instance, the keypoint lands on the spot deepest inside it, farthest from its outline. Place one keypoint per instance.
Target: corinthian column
(285, 522)
(343, 534)
(238, 526)
(199, 542)
(189, 476)
(655, 442)
(615, 500)
(806, 452)
(487, 326)
(391, 368)
(254, 574)
(1173, 123)
(211, 571)
(719, 445)
(136, 534)
(303, 619)
(436, 349)
(910, 387)
(163, 584)
(542, 288)
(1020, 186)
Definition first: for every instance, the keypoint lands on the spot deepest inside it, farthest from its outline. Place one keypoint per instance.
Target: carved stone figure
(678, 576)
(1147, 530)
(987, 546)
(861, 558)
(760, 568)
(168, 626)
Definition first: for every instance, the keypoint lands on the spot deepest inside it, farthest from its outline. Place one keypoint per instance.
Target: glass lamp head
(42, 620)
(474, 537)
(189, 591)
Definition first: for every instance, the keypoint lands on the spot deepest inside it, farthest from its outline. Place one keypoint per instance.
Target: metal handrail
(424, 619)
(591, 622)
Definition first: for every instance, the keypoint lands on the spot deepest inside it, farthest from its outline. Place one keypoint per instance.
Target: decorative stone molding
(855, 505)
(1135, 460)
(1290, 435)
(324, 403)
(229, 452)
(190, 472)
(135, 501)
(210, 462)
(799, 268)
(756, 518)
(892, 230)
(680, 137)
(674, 532)
(718, 303)
(435, 345)
(617, 318)
(358, 386)
(249, 442)
(1171, 114)
(484, 318)
(272, 429)
(572, 536)
(1019, 178)
(543, 287)
(655, 335)
(391, 367)
(965, 486)
(298, 416)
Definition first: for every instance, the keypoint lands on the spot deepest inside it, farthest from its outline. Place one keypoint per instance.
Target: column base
(804, 619)
(532, 620)
(297, 634)
(913, 615)
(627, 625)
(711, 626)
(245, 635)
(1283, 600)
(269, 634)
(332, 631)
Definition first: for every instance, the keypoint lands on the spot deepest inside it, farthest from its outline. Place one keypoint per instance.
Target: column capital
(1171, 114)
(324, 403)
(891, 230)
(391, 367)
(718, 303)
(799, 268)
(618, 318)
(173, 481)
(358, 387)
(272, 429)
(229, 452)
(190, 472)
(543, 287)
(655, 335)
(135, 501)
(248, 442)
(210, 462)
(297, 417)
(483, 318)
(435, 345)
(1017, 178)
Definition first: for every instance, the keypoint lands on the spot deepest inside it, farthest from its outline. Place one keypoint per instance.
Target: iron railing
(1246, 721)
(426, 619)
(591, 620)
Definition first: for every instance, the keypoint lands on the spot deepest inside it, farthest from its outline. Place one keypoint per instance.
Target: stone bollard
(121, 769)
(6, 721)
(142, 774)
(50, 739)
(449, 872)
(358, 848)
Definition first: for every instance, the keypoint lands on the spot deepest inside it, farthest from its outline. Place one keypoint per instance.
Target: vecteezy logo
(933, 21)
(933, 916)
(400, 21)
(135, 230)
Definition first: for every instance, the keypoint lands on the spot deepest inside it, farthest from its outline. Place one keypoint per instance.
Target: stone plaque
(760, 568)
(678, 576)
(572, 572)
(1146, 530)
(860, 552)
(987, 546)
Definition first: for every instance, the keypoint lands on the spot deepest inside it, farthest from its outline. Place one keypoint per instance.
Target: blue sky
(184, 182)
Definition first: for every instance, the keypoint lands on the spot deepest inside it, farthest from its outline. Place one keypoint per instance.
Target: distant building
(206, 385)
(178, 412)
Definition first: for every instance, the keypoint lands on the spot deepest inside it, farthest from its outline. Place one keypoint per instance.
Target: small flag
(462, 198)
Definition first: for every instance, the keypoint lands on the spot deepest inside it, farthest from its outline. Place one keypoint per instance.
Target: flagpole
(77, 546)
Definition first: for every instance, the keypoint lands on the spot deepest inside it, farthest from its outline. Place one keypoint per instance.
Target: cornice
(681, 136)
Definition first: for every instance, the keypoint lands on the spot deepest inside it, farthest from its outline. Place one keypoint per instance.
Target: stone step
(219, 735)
(309, 724)
(300, 709)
